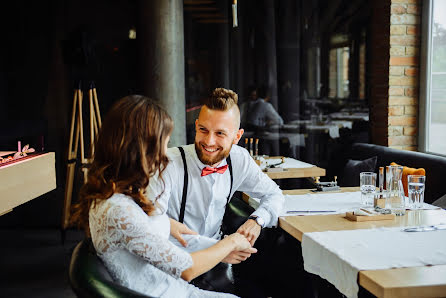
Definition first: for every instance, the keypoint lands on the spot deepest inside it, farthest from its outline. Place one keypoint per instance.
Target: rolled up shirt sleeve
(257, 184)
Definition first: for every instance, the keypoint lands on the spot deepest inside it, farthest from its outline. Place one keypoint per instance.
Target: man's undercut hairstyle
(221, 99)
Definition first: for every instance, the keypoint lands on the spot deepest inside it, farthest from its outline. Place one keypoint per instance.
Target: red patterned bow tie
(209, 170)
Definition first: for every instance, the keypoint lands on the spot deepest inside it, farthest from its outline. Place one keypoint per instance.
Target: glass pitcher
(395, 199)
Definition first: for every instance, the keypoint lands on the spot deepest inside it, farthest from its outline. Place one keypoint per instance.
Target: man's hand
(238, 256)
(177, 228)
(251, 230)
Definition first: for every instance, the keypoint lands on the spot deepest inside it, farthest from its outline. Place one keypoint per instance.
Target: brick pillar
(404, 65)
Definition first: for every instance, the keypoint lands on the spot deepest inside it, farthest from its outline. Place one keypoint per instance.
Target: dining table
(418, 281)
(291, 168)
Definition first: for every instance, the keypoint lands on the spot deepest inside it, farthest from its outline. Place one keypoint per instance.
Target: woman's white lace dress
(136, 250)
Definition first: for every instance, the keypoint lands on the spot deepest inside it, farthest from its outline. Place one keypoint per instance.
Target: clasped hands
(250, 229)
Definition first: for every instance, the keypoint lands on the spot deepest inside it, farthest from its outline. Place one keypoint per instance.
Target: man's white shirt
(207, 196)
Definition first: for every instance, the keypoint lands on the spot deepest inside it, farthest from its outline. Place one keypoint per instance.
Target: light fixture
(132, 33)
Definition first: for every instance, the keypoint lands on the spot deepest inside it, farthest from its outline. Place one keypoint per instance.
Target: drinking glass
(367, 182)
(416, 185)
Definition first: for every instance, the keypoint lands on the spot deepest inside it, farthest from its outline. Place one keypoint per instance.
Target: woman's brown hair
(129, 150)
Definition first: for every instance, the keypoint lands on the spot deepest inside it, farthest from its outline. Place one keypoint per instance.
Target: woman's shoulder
(117, 203)
(119, 199)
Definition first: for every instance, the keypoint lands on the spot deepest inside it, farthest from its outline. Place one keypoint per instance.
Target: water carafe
(395, 199)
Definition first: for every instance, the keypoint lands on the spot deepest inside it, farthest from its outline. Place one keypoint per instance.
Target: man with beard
(201, 178)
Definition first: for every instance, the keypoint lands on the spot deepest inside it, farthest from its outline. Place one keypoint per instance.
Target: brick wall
(395, 39)
(404, 73)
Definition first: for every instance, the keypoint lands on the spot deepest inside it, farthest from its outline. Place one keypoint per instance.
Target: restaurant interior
(356, 85)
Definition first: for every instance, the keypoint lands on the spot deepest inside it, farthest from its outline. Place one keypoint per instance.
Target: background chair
(89, 277)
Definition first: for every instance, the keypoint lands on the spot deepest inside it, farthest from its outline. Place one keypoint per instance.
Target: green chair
(89, 278)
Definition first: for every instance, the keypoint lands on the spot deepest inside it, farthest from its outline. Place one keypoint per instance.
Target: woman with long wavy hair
(129, 230)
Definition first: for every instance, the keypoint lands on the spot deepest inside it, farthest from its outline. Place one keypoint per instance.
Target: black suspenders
(186, 181)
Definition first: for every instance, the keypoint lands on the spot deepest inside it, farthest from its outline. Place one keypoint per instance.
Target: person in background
(129, 228)
(201, 179)
(258, 112)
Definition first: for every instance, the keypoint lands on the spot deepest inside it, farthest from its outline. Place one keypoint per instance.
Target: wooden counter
(25, 180)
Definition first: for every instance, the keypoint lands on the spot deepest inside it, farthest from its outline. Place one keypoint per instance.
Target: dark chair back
(90, 279)
(434, 165)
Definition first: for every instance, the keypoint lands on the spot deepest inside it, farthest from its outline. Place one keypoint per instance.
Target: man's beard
(211, 160)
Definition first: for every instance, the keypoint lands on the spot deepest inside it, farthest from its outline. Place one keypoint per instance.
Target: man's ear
(196, 125)
(238, 136)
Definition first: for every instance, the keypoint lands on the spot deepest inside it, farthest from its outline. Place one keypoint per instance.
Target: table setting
(337, 251)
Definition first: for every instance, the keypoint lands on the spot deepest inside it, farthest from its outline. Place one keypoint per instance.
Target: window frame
(424, 104)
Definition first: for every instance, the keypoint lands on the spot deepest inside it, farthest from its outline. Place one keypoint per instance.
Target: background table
(296, 172)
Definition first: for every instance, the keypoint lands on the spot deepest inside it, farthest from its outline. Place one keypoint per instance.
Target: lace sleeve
(136, 237)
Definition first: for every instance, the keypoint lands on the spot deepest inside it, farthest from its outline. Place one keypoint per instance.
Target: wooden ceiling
(206, 11)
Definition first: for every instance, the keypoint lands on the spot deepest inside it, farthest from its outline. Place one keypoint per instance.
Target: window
(338, 84)
(338, 69)
(433, 79)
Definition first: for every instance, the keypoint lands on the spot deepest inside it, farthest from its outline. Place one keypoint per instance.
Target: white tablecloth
(350, 116)
(337, 202)
(343, 123)
(310, 203)
(338, 256)
(289, 163)
(333, 129)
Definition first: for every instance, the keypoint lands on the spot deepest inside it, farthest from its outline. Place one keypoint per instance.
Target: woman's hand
(242, 249)
(233, 249)
(177, 228)
(238, 256)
